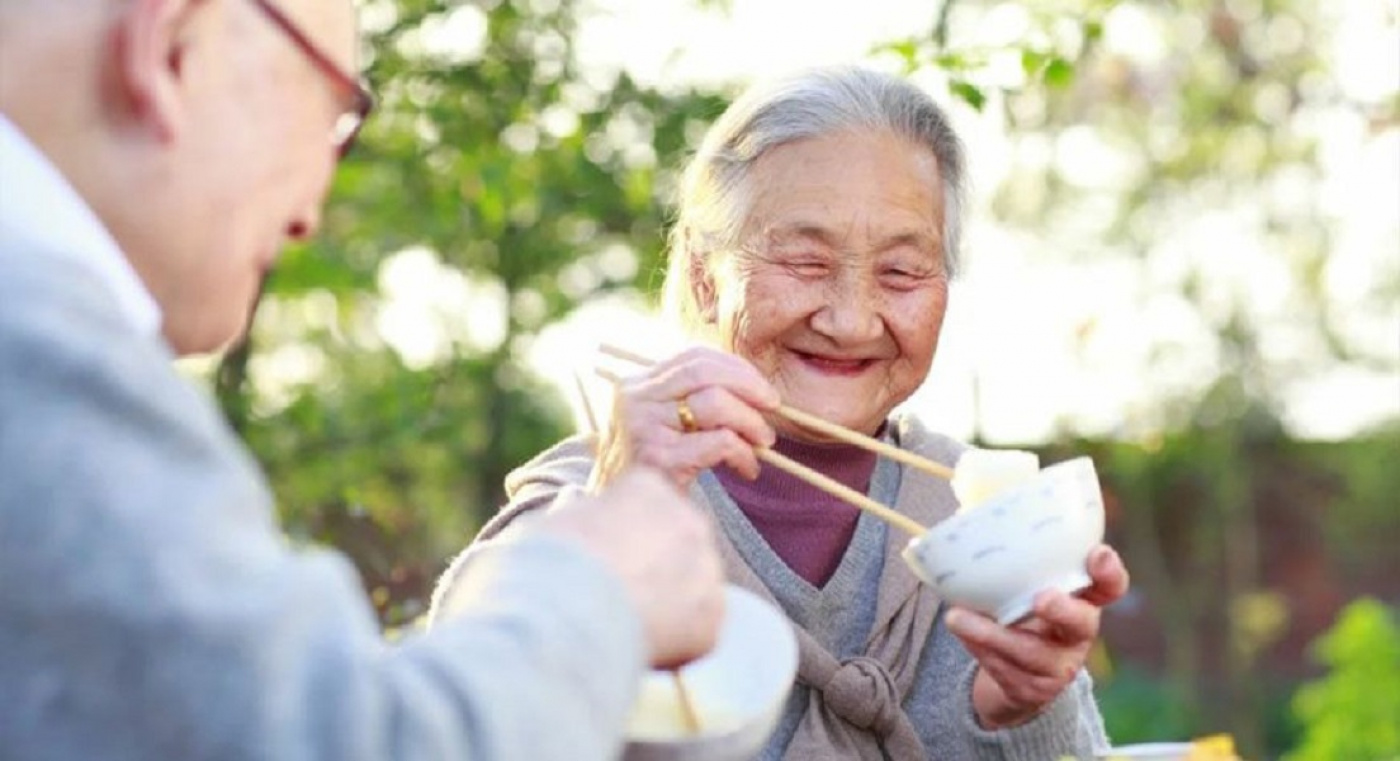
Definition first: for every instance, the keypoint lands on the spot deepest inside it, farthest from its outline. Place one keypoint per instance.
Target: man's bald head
(198, 130)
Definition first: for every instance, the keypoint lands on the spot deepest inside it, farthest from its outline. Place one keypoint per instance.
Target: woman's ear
(150, 48)
(702, 282)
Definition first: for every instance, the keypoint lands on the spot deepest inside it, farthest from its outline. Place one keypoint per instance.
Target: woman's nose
(851, 314)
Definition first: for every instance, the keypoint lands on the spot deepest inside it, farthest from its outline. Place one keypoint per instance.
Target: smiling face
(838, 292)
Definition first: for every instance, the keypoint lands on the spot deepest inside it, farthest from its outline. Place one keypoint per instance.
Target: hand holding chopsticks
(813, 423)
(833, 431)
(698, 409)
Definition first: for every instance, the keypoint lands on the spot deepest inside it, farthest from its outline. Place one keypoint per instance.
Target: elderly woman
(818, 227)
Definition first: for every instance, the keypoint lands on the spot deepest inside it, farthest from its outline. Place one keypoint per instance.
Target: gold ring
(686, 416)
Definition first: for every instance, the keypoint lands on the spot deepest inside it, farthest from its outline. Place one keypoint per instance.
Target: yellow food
(657, 714)
(1213, 748)
(982, 473)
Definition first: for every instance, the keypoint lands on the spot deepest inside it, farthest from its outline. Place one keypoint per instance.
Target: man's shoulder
(56, 318)
(46, 295)
(73, 366)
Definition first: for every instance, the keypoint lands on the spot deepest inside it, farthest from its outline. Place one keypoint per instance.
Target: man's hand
(1023, 668)
(663, 549)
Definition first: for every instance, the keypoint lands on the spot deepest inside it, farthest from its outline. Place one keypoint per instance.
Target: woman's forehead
(797, 188)
(895, 230)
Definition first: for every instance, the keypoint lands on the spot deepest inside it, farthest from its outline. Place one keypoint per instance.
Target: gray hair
(712, 205)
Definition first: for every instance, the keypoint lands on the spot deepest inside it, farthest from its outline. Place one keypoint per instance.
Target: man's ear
(151, 46)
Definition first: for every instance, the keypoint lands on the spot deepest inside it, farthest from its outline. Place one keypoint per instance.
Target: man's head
(200, 131)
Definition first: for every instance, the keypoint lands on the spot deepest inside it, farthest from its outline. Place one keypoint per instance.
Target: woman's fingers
(716, 407)
(1025, 666)
(1065, 619)
(654, 422)
(691, 412)
(1030, 651)
(697, 451)
(1110, 576)
(699, 368)
(1026, 689)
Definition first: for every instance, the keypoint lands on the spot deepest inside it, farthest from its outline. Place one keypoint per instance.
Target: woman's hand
(1023, 668)
(696, 410)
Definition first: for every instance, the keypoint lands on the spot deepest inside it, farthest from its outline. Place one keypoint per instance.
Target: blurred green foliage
(1354, 711)
(1139, 707)
(518, 174)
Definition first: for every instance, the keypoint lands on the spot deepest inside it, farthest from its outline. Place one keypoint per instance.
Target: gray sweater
(150, 610)
(840, 615)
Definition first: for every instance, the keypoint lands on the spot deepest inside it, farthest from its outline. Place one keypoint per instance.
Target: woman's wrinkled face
(838, 291)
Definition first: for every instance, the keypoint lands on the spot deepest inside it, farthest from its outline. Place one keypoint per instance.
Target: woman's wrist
(994, 709)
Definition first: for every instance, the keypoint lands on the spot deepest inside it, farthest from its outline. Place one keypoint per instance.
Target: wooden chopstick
(840, 491)
(689, 717)
(821, 425)
(821, 481)
(812, 422)
(587, 404)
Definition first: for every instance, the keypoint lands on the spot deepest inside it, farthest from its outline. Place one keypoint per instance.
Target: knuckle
(705, 403)
(690, 375)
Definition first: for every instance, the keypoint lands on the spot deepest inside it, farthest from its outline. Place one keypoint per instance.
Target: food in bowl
(983, 473)
(1032, 536)
(737, 690)
(659, 715)
(1212, 748)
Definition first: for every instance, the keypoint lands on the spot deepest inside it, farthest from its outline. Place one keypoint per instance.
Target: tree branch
(940, 25)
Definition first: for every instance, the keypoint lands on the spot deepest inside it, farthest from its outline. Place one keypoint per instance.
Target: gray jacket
(149, 608)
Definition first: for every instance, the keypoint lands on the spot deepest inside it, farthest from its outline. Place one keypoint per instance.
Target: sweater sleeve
(150, 609)
(1069, 727)
(552, 479)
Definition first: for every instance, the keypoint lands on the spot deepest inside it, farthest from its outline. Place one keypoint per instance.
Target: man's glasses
(347, 126)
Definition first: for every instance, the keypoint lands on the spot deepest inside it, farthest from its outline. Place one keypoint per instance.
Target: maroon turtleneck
(808, 528)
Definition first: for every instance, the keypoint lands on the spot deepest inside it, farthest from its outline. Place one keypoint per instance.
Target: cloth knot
(862, 692)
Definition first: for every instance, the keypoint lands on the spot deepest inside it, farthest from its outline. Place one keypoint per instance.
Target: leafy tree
(514, 185)
(1354, 711)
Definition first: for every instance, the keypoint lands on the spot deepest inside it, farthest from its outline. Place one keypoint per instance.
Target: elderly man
(154, 156)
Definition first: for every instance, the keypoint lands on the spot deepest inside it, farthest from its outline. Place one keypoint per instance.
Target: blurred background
(1183, 259)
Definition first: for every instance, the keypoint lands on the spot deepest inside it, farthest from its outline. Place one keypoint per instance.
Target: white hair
(712, 206)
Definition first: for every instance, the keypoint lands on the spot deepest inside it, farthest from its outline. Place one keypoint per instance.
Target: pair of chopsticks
(834, 431)
(690, 718)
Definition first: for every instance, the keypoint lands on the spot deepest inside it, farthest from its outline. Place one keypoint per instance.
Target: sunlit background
(1052, 327)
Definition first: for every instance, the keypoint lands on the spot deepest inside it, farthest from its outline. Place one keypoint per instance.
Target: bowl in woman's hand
(737, 690)
(995, 557)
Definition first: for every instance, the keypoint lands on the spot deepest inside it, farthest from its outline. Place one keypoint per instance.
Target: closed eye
(904, 278)
(808, 268)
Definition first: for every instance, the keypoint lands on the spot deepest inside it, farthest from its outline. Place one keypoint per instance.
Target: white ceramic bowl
(1148, 752)
(738, 690)
(995, 557)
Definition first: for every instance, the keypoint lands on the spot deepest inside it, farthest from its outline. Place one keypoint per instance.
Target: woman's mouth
(839, 366)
